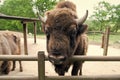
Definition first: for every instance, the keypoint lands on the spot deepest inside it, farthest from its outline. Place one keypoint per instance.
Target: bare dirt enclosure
(30, 68)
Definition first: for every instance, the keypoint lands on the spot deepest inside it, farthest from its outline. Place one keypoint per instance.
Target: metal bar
(84, 77)
(19, 57)
(18, 77)
(41, 65)
(18, 18)
(25, 38)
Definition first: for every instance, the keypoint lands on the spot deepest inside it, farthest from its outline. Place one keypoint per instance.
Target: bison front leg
(5, 68)
(60, 72)
(76, 67)
(80, 68)
(21, 68)
(14, 66)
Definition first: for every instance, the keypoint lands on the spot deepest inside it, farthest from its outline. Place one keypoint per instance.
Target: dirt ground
(30, 68)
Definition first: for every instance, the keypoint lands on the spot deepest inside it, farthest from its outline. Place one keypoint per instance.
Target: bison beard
(65, 37)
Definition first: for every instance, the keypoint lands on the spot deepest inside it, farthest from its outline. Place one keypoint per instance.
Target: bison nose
(56, 53)
(56, 59)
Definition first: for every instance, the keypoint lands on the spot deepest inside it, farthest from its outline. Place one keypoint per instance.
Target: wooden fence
(24, 21)
(41, 67)
(105, 39)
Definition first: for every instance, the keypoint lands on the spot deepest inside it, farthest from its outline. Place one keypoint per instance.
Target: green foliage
(116, 18)
(15, 8)
(23, 8)
(95, 37)
(106, 15)
(93, 25)
(43, 5)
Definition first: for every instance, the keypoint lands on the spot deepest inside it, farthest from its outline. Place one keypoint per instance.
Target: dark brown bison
(66, 37)
(10, 45)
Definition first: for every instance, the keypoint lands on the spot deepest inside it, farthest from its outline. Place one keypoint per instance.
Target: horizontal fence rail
(18, 77)
(18, 57)
(74, 58)
(95, 58)
(84, 77)
(41, 58)
(18, 18)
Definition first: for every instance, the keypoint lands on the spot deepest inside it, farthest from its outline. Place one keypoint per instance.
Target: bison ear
(82, 29)
(14, 38)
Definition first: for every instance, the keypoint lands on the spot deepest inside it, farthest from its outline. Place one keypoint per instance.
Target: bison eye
(73, 31)
(47, 34)
(73, 34)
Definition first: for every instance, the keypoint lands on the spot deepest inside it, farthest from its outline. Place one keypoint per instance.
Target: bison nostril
(56, 53)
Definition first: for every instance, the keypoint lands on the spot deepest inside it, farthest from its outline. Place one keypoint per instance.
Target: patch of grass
(95, 38)
(114, 38)
(98, 38)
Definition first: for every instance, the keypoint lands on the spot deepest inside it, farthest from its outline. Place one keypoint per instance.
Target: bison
(4, 50)
(10, 45)
(65, 34)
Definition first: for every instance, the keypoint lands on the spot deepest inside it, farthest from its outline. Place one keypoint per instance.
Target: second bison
(9, 45)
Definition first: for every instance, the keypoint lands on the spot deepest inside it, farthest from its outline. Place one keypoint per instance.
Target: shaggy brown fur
(65, 37)
(14, 42)
(9, 45)
(4, 50)
(66, 4)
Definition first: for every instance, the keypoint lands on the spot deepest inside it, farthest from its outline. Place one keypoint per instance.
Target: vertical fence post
(34, 31)
(106, 41)
(103, 36)
(41, 65)
(25, 37)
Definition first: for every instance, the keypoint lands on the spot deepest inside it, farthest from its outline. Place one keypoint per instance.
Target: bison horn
(83, 19)
(41, 18)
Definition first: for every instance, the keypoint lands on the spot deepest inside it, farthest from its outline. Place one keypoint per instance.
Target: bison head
(62, 29)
